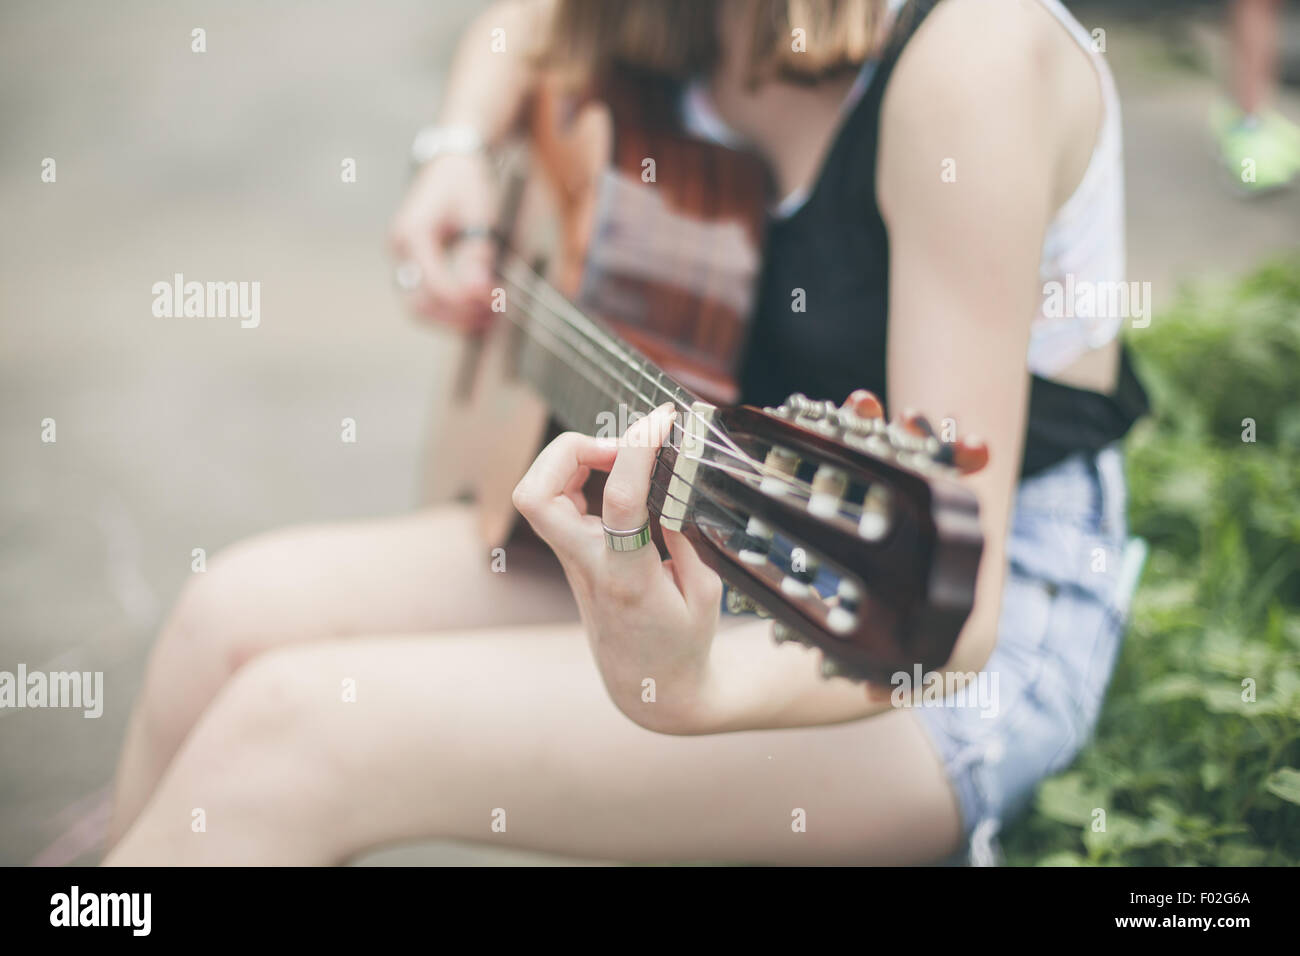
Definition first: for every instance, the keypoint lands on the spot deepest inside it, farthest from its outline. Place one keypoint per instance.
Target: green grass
(1196, 758)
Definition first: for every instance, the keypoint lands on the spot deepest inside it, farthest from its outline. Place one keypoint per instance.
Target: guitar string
(739, 521)
(513, 311)
(798, 487)
(801, 489)
(570, 314)
(608, 394)
(632, 389)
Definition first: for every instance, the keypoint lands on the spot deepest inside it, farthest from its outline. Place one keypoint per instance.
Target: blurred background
(182, 434)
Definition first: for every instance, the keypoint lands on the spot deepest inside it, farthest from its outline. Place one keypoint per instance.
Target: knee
(262, 761)
(223, 612)
(268, 707)
(222, 619)
(270, 729)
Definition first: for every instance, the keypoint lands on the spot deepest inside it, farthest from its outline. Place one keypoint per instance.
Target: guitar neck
(593, 381)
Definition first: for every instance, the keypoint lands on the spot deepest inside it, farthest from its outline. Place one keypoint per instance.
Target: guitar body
(637, 223)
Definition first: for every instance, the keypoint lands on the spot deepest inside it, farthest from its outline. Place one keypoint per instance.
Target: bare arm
(964, 261)
(488, 83)
(490, 76)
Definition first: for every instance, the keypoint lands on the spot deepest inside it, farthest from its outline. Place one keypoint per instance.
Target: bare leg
(415, 573)
(1255, 26)
(446, 731)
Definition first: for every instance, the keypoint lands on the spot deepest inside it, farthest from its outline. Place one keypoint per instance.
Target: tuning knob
(842, 618)
(832, 668)
(779, 465)
(782, 632)
(967, 455)
(798, 403)
(802, 572)
(755, 543)
(739, 603)
(914, 423)
(970, 454)
(861, 416)
(865, 405)
(828, 487)
(875, 513)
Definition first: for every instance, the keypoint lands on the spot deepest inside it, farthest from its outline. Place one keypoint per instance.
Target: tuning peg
(832, 668)
(801, 573)
(754, 543)
(911, 432)
(861, 414)
(828, 487)
(779, 465)
(874, 522)
(741, 603)
(967, 455)
(820, 416)
(843, 617)
(797, 403)
(865, 405)
(970, 454)
(782, 632)
(916, 424)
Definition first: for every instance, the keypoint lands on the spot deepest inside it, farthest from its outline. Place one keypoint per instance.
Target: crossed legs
(468, 709)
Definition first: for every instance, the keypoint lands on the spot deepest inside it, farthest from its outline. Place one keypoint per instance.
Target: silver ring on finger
(407, 276)
(632, 540)
(473, 232)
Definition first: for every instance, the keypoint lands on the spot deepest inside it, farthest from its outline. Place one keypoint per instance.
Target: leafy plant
(1196, 757)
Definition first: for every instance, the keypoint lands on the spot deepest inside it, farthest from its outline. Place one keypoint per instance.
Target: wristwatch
(434, 141)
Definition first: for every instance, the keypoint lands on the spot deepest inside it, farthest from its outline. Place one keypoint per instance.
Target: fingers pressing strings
(628, 486)
(543, 494)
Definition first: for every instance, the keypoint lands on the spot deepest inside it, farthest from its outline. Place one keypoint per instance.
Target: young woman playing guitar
(931, 166)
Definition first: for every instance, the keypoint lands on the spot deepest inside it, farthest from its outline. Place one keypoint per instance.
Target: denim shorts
(1065, 603)
(1064, 609)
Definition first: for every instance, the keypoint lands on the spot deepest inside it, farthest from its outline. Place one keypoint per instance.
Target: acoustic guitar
(628, 256)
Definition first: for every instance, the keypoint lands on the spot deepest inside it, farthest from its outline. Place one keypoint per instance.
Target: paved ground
(177, 434)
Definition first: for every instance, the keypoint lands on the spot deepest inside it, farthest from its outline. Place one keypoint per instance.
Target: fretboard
(593, 381)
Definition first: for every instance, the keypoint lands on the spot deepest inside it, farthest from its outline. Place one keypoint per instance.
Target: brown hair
(678, 38)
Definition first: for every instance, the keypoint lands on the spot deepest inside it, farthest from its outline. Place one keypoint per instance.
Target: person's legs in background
(1260, 147)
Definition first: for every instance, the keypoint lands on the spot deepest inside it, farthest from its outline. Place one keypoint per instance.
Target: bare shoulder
(968, 51)
(993, 71)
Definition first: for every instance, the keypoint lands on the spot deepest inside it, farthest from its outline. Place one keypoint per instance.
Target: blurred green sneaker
(1282, 128)
(1261, 152)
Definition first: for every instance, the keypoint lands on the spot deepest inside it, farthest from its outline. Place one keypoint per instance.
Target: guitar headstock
(774, 497)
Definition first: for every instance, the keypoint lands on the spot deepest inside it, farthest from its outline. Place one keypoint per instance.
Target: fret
(627, 401)
(579, 367)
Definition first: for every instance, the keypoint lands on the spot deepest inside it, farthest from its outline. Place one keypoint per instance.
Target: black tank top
(835, 248)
